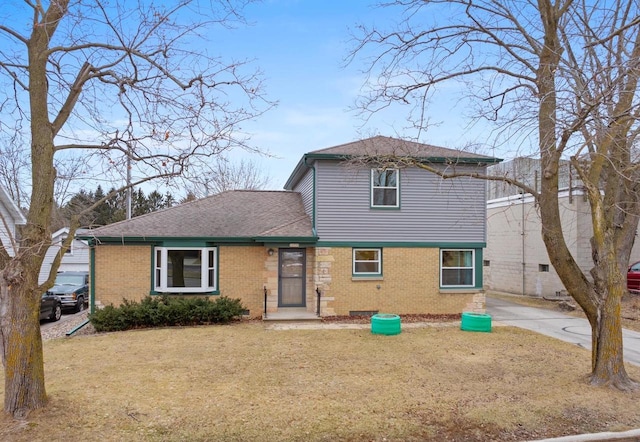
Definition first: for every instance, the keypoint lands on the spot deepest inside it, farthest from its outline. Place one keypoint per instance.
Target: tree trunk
(22, 352)
(607, 355)
(19, 318)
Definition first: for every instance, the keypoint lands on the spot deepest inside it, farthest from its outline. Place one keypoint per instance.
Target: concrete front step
(291, 314)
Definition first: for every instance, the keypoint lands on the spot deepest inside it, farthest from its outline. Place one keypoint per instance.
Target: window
(486, 263)
(69, 251)
(185, 270)
(543, 267)
(367, 262)
(457, 268)
(384, 188)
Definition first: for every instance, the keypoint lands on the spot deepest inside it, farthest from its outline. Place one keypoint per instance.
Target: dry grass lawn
(244, 382)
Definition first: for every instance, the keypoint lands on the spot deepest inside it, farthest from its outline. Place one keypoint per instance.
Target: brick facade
(409, 284)
(122, 272)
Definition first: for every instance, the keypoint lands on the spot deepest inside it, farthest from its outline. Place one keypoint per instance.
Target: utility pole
(128, 181)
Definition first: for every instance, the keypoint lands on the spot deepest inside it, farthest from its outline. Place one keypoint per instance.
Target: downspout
(313, 224)
(92, 303)
(92, 277)
(523, 244)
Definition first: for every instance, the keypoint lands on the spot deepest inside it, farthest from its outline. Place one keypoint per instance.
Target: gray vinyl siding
(305, 187)
(431, 209)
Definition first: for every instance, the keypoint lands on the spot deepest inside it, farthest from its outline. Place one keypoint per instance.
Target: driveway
(46, 325)
(557, 325)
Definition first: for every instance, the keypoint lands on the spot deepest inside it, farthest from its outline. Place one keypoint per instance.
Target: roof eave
(297, 173)
(286, 239)
(18, 217)
(219, 239)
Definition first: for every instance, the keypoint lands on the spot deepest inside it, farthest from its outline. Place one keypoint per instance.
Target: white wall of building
(76, 259)
(10, 217)
(514, 237)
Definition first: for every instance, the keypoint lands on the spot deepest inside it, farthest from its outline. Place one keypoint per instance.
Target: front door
(291, 278)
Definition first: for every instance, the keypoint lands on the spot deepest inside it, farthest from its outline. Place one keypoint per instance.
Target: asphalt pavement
(557, 325)
(46, 325)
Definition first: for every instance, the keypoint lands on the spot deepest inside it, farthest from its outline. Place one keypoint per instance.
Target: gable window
(185, 269)
(457, 268)
(385, 191)
(69, 251)
(367, 262)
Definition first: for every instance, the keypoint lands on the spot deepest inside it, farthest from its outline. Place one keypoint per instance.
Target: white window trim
(205, 267)
(366, 249)
(473, 268)
(396, 187)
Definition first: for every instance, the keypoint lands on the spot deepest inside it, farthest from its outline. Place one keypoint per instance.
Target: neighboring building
(10, 217)
(76, 259)
(516, 260)
(397, 240)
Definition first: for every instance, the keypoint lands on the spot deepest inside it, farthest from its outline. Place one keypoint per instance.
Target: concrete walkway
(557, 325)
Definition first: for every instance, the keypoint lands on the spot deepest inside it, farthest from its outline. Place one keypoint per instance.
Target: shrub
(166, 311)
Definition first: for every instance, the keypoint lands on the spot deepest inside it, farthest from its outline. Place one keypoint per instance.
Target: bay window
(185, 269)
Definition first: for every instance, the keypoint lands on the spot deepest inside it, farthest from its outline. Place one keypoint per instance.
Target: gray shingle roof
(230, 214)
(380, 145)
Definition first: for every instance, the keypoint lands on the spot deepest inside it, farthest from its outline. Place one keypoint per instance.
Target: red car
(633, 278)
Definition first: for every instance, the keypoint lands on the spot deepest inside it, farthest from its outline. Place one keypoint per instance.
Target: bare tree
(125, 86)
(223, 174)
(13, 170)
(561, 75)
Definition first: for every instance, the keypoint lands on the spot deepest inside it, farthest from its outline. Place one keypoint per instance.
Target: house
(342, 238)
(75, 259)
(10, 218)
(516, 259)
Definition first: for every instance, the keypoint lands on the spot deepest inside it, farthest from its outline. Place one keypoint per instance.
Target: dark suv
(72, 288)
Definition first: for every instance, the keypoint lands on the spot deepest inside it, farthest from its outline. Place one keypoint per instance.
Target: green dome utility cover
(479, 322)
(385, 324)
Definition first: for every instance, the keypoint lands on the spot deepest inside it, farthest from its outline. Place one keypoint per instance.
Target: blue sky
(300, 46)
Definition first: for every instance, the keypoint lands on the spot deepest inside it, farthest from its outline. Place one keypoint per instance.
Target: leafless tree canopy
(140, 82)
(492, 51)
(225, 174)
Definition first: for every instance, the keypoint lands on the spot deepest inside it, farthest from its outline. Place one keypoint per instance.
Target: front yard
(245, 382)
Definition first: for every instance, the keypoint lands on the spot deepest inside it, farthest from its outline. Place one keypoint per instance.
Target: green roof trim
(446, 244)
(457, 160)
(185, 240)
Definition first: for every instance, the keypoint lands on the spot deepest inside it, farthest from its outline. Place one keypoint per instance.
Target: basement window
(543, 267)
